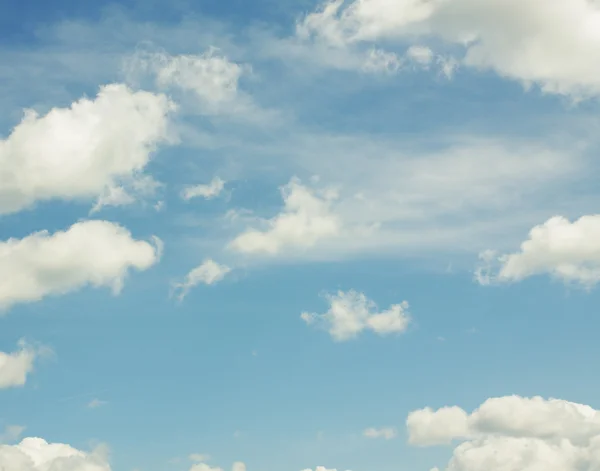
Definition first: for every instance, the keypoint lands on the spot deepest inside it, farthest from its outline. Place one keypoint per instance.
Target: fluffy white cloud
(211, 190)
(16, 366)
(97, 253)
(350, 313)
(514, 434)
(566, 250)
(84, 151)
(35, 454)
(386, 433)
(548, 42)
(305, 219)
(208, 272)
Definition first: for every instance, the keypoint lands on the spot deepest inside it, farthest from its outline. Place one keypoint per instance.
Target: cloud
(541, 42)
(198, 457)
(212, 190)
(569, 251)
(305, 219)
(96, 253)
(514, 433)
(95, 403)
(11, 433)
(210, 78)
(35, 454)
(208, 273)
(237, 466)
(16, 366)
(320, 468)
(85, 151)
(351, 312)
(386, 433)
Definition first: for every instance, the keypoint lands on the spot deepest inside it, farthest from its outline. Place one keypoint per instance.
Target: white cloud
(514, 434)
(350, 313)
(84, 151)
(16, 366)
(97, 253)
(95, 403)
(237, 466)
(386, 433)
(420, 54)
(305, 219)
(209, 191)
(378, 60)
(208, 272)
(210, 77)
(199, 457)
(536, 41)
(569, 251)
(35, 454)
(11, 433)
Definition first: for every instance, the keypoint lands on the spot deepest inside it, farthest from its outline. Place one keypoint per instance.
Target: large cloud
(97, 253)
(89, 150)
(351, 313)
(514, 434)
(548, 42)
(569, 251)
(35, 454)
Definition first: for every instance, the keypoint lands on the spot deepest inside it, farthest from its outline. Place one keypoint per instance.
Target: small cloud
(208, 273)
(208, 191)
(199, 457)
(386, 433)
(11, 433)
(95, 403)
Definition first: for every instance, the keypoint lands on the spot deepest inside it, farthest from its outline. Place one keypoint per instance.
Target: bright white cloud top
(207, 191)
(350, 313)
(16, 366)
(96, 253)
(513, 434)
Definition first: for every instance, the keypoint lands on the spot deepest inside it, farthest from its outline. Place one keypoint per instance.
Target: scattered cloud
(198, 457)
(513, 433)
(536, 42)
(209, 191)
(387, 433)
(305, 219)
(208, 272)
(16, 366)
(569, 251)
(35, 454)
(351, 313)
(94, 252)
(93, 149)
(11, 433)
(237, 466)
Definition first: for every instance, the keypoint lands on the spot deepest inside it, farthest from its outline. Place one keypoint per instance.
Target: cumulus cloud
(514, 433)
(548, 43)
(305, 219)
(93, 149)
(386, 433)
(35, 454)
(16, 366)
(96, 253)
(208, 191)
(569, 251)
(351, 313)
(208, 272)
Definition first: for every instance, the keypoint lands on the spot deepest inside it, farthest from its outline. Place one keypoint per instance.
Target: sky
(351, 235)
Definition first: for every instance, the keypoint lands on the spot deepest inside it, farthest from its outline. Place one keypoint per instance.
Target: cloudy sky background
(275, 236)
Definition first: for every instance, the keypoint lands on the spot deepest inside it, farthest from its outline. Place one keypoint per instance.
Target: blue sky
(295, 236)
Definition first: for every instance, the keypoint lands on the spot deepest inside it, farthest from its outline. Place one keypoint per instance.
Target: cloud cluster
(548, 43)
(513, 433)
(351, 313)
(35, 454)
(96, 253)
(207, 191)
